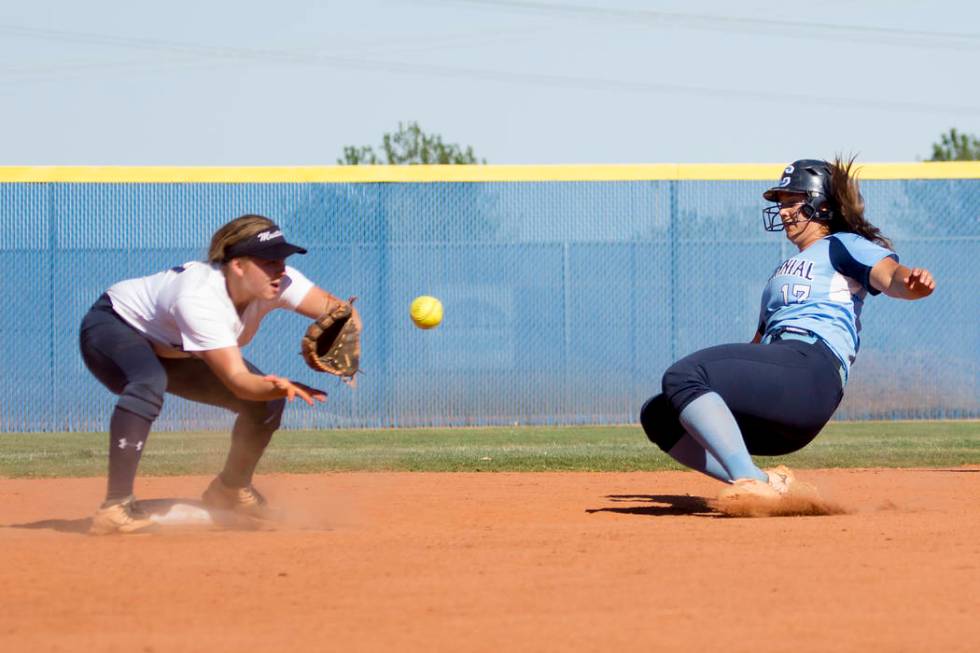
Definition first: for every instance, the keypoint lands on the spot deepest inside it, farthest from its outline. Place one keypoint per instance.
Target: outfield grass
(590, 448)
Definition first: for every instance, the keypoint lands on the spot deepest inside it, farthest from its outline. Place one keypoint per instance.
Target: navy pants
(124, 361)
(781, 394)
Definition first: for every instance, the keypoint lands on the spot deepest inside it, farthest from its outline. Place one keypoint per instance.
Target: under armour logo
(123, 443)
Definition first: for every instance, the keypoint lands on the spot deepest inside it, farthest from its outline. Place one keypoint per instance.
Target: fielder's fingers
(281, 384)
(277, 381)
(319, 395)
(286, 386)
(304, 395)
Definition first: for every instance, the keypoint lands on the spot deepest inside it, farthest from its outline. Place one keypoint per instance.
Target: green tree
(955, 146)
(409, 145)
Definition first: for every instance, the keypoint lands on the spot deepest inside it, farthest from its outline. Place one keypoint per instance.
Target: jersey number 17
(800, 291)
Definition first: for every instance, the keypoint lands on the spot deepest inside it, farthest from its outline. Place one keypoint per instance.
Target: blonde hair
(239, 229)
(846, 198)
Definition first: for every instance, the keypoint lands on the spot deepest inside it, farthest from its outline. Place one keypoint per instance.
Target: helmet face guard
(772, 221)
(810, 178)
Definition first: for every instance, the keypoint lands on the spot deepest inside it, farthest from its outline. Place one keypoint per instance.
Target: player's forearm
(317, 302)
(897, 290)
(910, 283)
(252, 387)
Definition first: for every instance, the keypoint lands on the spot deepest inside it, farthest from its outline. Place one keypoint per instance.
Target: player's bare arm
(897, 280)
(318, 301)
(229, 367)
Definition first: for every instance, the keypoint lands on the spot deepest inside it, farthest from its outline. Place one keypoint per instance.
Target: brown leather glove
(332, 343)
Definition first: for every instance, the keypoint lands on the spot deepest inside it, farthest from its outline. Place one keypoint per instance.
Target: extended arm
(318, 301)
(228, 365)
(897, 280)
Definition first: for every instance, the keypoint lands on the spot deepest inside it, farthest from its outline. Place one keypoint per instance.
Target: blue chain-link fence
(564, 301)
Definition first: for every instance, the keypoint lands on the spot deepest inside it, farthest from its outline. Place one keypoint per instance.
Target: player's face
(790, 205)
(796, 226)
(263, 277)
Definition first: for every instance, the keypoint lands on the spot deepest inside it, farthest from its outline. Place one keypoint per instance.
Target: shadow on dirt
(659, 505)
(953, 470)
(60, 525)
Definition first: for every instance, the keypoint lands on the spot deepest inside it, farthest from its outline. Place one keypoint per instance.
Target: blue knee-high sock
(690, 453)
(709, 421)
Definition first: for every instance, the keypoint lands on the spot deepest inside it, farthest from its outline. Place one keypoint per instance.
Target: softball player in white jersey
(181, 332)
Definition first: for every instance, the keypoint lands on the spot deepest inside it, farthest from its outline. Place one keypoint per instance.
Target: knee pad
(683, 382)
(660, 423)
(274, 413)
(144, 397)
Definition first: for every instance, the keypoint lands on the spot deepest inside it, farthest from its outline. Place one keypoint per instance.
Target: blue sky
(591, 81)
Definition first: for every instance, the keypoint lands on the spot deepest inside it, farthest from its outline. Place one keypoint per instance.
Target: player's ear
(236, 266)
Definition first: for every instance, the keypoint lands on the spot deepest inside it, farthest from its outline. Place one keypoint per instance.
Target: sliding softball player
(773, 396)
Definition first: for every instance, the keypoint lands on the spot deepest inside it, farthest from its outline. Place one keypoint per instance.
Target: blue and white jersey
(822, 290)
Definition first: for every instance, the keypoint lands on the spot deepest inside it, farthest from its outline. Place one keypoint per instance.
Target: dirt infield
(499, 561)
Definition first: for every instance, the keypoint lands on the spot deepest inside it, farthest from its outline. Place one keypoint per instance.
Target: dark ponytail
(849, 204)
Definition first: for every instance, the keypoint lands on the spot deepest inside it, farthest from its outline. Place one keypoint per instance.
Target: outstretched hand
(919, 283)
(295, 389)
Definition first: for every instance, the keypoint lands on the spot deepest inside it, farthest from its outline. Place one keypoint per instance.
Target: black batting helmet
(810, 177)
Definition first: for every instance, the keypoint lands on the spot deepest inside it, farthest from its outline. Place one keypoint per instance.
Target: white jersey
(187, 308)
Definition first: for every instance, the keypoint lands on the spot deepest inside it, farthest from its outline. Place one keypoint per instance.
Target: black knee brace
(145, 396)
(273, 414)
(683, 382)
(263, 415)
(660, 422)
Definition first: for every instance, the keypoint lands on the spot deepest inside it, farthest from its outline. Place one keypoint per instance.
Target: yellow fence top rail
(458, 173)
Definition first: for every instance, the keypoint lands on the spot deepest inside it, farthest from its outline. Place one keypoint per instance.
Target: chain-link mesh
(565, 301)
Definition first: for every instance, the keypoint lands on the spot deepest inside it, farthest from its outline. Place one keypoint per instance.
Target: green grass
(524, 449)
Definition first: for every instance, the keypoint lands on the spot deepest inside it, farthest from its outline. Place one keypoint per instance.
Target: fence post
(672, 245)
(53, 384)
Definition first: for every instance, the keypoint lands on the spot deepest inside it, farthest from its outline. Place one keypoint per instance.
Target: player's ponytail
(849, 203)
(236, 231)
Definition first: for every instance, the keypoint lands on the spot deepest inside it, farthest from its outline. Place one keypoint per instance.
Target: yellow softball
(426, 312)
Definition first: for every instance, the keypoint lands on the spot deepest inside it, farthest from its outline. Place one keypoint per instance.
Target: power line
(212, 55)
(796, 29)
(602, 84)
(391, 46)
